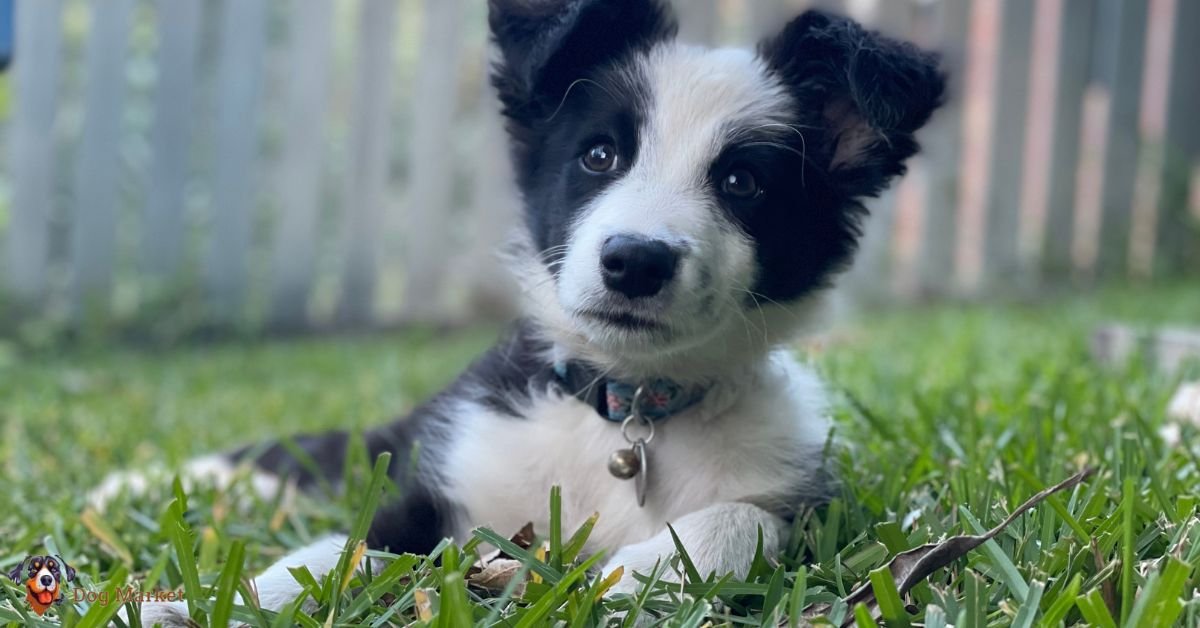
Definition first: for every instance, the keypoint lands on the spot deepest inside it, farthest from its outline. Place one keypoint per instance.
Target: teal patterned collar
(613, 400)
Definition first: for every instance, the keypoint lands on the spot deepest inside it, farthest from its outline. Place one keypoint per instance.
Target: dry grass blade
(914, 566)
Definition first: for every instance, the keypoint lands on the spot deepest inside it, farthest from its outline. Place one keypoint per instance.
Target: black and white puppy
(684, 209)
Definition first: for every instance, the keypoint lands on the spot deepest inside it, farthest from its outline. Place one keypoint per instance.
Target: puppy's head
(674, 194)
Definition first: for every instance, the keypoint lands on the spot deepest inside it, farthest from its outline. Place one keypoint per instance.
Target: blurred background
(181, 167)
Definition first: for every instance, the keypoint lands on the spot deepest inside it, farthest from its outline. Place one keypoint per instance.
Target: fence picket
(1073, 60)
(1179, 229)
(298, 180)
(495, 208)
(1121, 68)
(942, 143)
(178, 25)
(766, 17)
(98, 163)
(1003, 210)
(699, 24)
(31, 160)
(431, 184)
(365, 195)
(234, 189)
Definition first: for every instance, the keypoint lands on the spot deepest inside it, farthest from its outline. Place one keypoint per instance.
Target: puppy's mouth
(624, 321)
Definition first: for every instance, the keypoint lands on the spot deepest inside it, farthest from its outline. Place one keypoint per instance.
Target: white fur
(276, 587)
(501, 470)
(720, 539)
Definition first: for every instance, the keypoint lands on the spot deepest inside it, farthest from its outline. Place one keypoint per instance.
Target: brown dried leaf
(496, 576)
(495, 569)
(912, 567)
(524, 537)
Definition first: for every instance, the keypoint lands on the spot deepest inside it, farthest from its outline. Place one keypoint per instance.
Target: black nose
(637, 267)
(47, 581)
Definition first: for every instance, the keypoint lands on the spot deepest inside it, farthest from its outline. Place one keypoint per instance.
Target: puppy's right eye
(600, 158)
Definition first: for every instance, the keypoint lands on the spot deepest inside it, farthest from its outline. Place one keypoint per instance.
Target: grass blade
(180, 537)
(798, 597)
(556, 544)
(512, 549)
(1008, 571)
(227, 584)
(1029, 608)
(689, 567)
(1127, 505)
(578, 541)
(1094, 610)
(888, 597)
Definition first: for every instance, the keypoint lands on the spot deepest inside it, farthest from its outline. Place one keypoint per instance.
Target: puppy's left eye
(741, 185)
(600, 158)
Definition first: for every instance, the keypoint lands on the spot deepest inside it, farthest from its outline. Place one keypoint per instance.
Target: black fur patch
(859, 98)
(565, 87)
(413, 524)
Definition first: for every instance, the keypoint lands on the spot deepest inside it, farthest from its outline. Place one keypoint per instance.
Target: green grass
(949, 419)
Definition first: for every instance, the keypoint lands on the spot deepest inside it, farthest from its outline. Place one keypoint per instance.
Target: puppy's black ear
(545, 45)
(16, 574)
(866, 93)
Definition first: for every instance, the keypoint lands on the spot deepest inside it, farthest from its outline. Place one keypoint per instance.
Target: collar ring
(635, 415)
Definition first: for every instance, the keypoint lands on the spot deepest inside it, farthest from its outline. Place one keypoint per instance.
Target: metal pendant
(633, 463)
(642, 477)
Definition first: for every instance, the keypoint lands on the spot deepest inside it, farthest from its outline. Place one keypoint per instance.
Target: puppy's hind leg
(302, 462)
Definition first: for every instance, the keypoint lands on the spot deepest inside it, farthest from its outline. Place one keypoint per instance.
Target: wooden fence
(309, 163)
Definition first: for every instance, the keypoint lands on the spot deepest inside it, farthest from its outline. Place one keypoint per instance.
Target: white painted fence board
(768, 17)
(495, 212)
(234, 185)
(178, 25)
(97, 165)
(942, 146)
(1073, 61)
(1179, 229)
(299, 176)
(1123, 67)
(1002, 262)
(365, 194)
(698, 21)
(427, 253)
(31, 160)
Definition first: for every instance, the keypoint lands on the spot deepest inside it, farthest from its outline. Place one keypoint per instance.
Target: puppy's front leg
(721, 539)
(276, 587)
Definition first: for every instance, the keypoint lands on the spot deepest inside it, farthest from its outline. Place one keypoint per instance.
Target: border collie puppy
(684, 207)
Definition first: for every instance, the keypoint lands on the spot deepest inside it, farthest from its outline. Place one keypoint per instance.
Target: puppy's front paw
(639, 560)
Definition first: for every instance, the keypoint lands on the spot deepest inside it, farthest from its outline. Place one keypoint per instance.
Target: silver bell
(624, 464)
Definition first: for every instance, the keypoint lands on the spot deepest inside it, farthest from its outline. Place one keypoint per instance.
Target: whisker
(572, 86)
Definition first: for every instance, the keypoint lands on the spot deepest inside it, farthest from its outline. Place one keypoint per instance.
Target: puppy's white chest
(500, 469)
